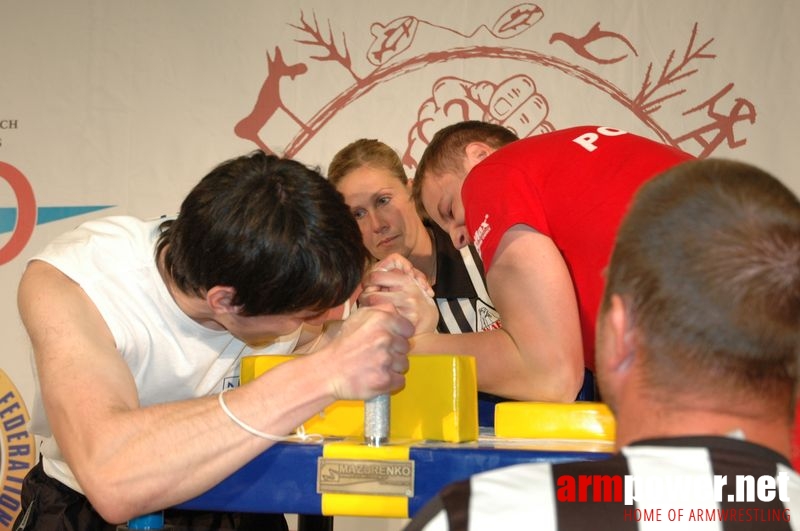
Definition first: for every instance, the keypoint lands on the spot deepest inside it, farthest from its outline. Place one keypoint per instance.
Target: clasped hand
(395, 281)
(369, 349)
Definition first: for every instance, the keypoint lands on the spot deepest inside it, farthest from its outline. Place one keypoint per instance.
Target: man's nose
(459, 236)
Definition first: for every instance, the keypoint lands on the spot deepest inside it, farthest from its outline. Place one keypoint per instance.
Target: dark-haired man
(139, 326)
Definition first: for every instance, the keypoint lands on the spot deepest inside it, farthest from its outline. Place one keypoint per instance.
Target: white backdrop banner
(119, 107)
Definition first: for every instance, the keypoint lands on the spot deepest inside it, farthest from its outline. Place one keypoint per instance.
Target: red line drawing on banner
(516, 20)
(395, 37)
(523, 108)
(514, 103)
(580, 45)
(391, 39)
(644, 101)
(317, 39)
(722, 123)
(26, 212)
(269, 99)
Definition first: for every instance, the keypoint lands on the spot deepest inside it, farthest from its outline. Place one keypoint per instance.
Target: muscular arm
(538, 354)
(131, 460)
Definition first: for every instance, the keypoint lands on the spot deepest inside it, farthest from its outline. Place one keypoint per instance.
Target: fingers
(385, 280)
(398, 358)
(400, 365)
(394, 272)
(396, 289)
(422, 282)
(371, 353)
(388, 280)
(396, 364)
(392, 378)
(394, 261)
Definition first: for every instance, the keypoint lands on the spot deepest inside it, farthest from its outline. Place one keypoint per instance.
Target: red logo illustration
(516, 100)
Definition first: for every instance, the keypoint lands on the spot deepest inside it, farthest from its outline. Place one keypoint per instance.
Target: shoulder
(112, 230)
(119, 228)
(100, 242)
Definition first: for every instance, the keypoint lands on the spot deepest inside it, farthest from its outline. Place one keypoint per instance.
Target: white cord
(301, 432)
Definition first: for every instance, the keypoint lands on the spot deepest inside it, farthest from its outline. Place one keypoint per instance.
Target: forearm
(154, 457)
(539, 312)
(504, 370)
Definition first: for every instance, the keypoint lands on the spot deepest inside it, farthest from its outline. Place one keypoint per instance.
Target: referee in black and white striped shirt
(697, 355)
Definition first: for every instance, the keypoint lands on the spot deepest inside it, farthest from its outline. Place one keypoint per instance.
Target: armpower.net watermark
(741, 498)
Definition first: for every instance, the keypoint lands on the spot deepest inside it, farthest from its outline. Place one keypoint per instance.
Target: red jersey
(572, 185)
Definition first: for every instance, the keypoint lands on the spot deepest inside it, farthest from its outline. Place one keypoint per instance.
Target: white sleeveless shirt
(171, 356)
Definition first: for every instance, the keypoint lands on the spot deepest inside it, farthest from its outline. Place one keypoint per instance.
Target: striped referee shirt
(694, 483)
(463, 301)
(460, 288)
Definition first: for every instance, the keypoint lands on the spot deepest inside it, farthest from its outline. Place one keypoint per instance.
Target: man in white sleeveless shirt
(138, 327)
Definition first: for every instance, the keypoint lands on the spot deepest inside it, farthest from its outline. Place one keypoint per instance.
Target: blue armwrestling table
(436, 438)
(293, 477)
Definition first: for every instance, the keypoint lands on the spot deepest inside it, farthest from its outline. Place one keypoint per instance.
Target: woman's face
(382, 205)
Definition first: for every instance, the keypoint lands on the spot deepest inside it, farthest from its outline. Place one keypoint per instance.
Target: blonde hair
(365, 152)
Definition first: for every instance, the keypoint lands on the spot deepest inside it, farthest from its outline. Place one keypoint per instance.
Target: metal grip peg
(376, 420)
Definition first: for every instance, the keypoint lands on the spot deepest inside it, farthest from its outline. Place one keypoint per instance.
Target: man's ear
(623, 350)
(220, 299)
(474, 152)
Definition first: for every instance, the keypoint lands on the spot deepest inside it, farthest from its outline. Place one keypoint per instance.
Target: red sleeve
(496, 197)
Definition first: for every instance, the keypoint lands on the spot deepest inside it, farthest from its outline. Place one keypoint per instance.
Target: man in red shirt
(542, 212)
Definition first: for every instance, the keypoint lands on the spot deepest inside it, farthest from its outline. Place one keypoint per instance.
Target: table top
(287, 477)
